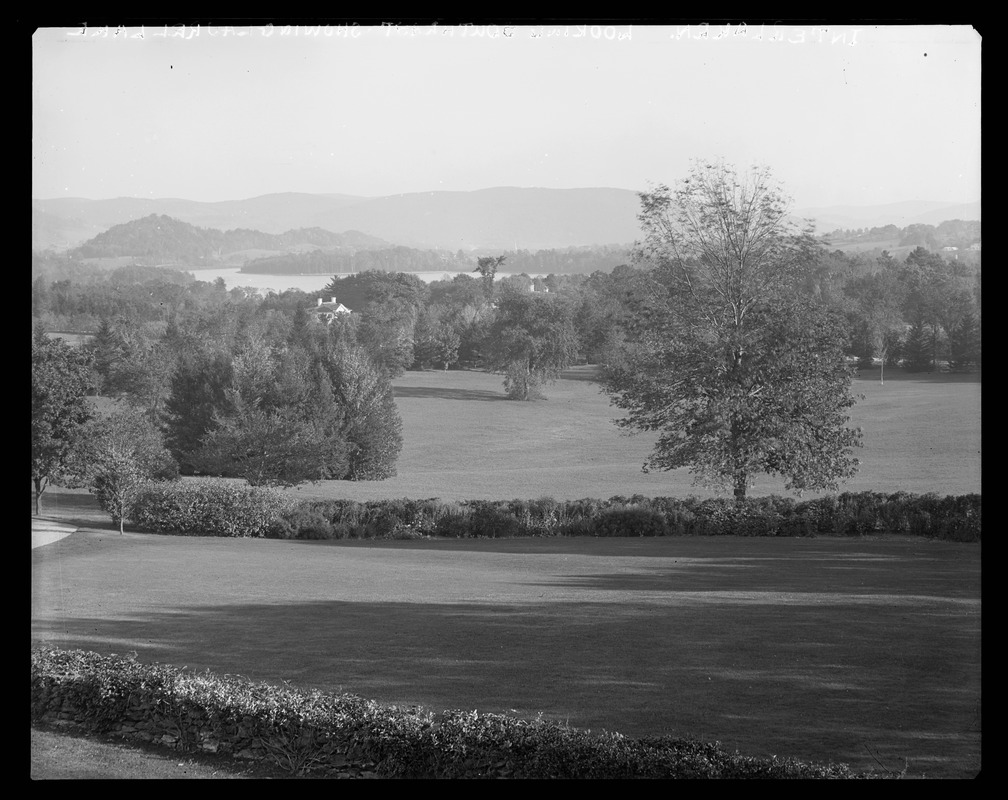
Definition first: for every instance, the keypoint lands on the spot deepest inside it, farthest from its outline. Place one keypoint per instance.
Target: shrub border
(219, 508)
(308, 732)
(950, 518)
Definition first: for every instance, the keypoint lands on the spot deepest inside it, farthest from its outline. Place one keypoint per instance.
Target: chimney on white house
(334, 301)
(320, 301)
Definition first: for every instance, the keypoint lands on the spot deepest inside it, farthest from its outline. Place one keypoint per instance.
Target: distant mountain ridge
(505, 218)
(911, 212)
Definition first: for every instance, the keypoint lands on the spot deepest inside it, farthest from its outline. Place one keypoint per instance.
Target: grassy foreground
(860, 651)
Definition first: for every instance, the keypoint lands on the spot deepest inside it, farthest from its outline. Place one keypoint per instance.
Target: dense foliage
(61, 380)
(922, 312)
(849, 514)
(313, 733)
(738, 368)
(209, 508)
(243, 386)
(531, 340)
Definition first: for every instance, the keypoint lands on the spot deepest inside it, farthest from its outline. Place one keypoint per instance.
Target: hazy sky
(844, 114)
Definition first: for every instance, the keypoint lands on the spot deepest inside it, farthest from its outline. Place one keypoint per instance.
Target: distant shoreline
(263, 282)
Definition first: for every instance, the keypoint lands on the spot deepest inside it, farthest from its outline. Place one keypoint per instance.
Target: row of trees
(918, 313)
(730, 336)
(954, 232)
(923, 312)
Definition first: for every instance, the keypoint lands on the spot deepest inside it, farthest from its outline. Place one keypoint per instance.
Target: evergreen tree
(964, 342)
(917, 350)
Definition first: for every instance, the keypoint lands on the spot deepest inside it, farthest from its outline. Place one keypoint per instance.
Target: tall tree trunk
(741, 474)
(740, 487)
(38, 494)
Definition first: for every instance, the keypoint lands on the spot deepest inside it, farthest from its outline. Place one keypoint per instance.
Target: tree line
(950, 233)
(570, 260)
(730, 333)
(921, 312)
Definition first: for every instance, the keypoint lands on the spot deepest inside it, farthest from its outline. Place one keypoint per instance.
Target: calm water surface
(233, 277)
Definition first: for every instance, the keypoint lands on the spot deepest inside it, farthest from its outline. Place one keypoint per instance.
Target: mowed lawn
(863, 651)
(463, 439)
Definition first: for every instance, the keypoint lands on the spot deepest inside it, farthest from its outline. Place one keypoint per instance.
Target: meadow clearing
(463, 439)
(864, 651)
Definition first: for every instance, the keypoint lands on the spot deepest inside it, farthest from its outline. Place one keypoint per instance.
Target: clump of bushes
(210, 508)
(309, 732)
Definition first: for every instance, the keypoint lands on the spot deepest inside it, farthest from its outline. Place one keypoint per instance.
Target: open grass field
(462, 439)
(862, 651)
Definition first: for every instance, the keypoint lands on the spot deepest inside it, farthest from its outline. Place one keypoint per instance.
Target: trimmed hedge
(228, 508)
(849, 514)
(307, 732)
(210, 508)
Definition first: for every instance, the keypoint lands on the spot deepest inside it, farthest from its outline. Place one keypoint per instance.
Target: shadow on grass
(812, 681)
(591, 373)
(899, 374)
(697, 563)
(438, 393)
(70, 508)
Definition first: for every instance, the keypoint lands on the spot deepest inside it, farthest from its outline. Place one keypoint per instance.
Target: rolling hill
(159, 239)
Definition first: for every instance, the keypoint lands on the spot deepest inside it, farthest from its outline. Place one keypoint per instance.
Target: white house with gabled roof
(327, 312)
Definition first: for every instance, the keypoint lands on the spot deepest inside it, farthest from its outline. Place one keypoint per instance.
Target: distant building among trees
(327, 312)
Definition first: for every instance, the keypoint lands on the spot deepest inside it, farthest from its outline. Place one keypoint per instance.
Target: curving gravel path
(46, 531)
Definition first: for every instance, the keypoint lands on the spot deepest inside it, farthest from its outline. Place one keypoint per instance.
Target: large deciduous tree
(61, 380)
(732, 361)
(487, 268)
(531, 341)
